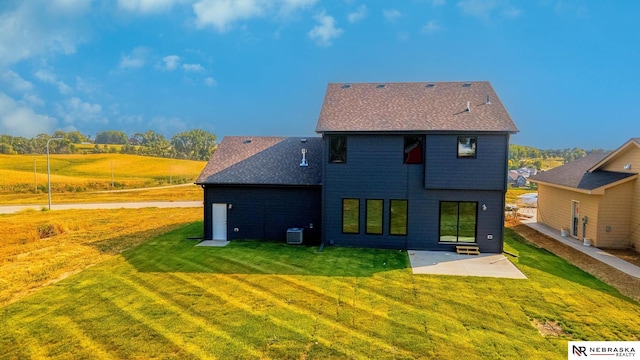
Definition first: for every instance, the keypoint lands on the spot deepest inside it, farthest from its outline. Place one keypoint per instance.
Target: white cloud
(483, 9)
(32, 100)
(19, 120)
(192, 67)
(16, 82)
(392, 15)
(74, 110)
(359, 14)
(86, 86)
(70, 6)
(431, 27)
(147, 6)
(325, 31)
(134, 60)
(511, 13)
(210, 82)
(477, 8)
(48, 77)
(222, 13)
(35, 28)
(171, 62)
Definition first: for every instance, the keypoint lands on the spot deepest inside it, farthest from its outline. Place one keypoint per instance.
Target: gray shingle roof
(575, 174)
(264, 160)
(413, 107)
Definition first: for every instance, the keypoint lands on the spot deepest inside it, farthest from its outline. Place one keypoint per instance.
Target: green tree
(111, 137)
(194, 144)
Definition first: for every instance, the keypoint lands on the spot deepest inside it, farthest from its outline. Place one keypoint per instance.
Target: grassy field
(168, 298)
(39, 248)
(78, 176)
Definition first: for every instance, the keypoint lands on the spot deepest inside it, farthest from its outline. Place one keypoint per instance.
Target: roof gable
(576, 175)
(440, 106)
(264, 160)
(633, 143)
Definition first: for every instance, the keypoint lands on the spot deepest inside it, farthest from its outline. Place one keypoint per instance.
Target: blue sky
(568, 71)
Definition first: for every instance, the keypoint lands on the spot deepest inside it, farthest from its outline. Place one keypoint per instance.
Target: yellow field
(42, 247)
(86, 172)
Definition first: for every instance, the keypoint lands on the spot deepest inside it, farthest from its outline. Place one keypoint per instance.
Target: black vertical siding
(266, 212)
(375, 170)
(487, 171)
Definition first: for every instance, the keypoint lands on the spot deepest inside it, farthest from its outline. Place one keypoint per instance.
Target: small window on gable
(413, 149)
(338, 149)
(467, 147)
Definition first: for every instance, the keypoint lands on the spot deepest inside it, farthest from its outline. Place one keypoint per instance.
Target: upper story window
(338, 149)
(467, 147)
(413, 149)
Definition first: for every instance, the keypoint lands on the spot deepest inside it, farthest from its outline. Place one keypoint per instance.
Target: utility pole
(49, 171)
(35, 177)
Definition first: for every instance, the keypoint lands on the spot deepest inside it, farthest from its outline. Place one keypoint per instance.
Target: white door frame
(575, 218)
(219, 221)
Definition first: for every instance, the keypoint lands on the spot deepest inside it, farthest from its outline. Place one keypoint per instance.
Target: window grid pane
(458, 221)
(374, 216)
(398, 217)
(467, 147)
(350, 216)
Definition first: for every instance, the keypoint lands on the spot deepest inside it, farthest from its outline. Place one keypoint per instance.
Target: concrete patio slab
(215, 243)
(450, 263)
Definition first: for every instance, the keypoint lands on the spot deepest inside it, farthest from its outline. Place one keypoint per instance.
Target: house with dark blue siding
(398, 165)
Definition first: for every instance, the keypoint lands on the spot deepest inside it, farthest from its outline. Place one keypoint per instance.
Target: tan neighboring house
(602, 190)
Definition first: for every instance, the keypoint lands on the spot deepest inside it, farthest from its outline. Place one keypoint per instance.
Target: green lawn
(169, 299)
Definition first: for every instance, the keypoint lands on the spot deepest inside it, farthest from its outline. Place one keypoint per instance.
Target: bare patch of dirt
(628, 255)
(625, 283)
(548, 328)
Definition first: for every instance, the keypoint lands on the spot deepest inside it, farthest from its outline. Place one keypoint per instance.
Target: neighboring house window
(467, 147)
(338, 149)
(398, 217)
(458, 221)
(350, 216)
(375, 210)
(413, 149)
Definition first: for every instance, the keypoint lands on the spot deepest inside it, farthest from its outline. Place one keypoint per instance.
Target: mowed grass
(39, 248)
(90, 172)
(249, 300)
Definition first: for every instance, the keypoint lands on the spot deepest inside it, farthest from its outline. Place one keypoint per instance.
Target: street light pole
(49, 171)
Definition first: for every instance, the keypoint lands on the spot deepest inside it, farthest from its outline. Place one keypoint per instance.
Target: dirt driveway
(626, 284)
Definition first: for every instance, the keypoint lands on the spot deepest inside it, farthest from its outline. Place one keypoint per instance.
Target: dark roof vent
(466, 85)
(380, 86)
(430, 85)
(303, 140)
(346, 86)
(488, 100)
(247, 141)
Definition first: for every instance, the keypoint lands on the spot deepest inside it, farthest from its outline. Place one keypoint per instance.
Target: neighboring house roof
(576, 175)
(264, 160)
(632, 142)
(415, 106)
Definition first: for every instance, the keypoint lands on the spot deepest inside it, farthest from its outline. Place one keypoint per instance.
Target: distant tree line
(194, 144)
(526, 155)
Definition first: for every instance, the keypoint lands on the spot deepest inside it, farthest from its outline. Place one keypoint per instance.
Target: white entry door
(219, 222)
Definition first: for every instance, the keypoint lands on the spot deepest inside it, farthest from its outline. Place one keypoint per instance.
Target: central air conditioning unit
(294, 236)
